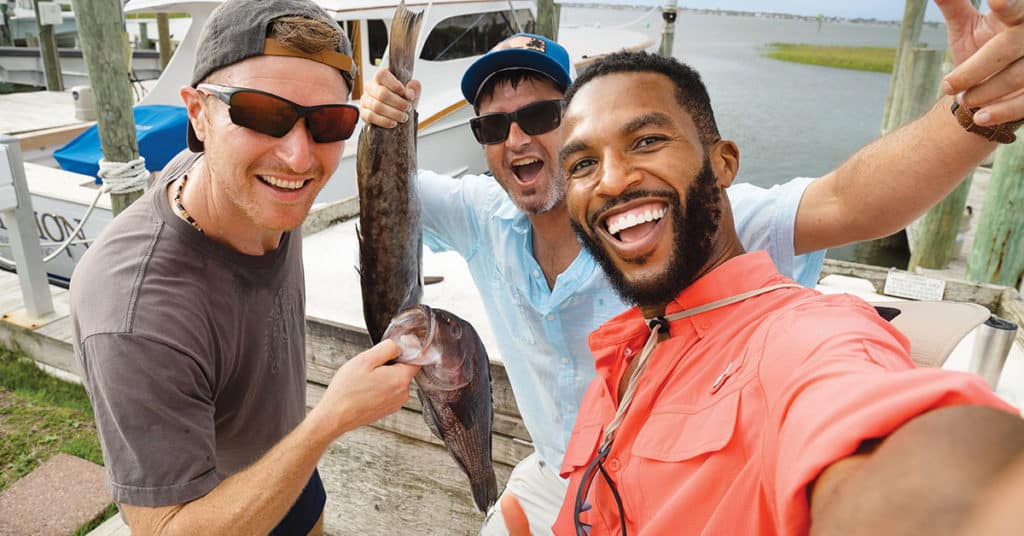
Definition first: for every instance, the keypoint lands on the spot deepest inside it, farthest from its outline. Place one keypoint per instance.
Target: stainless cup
(992, 343)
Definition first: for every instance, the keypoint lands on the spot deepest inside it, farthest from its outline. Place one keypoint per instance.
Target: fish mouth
(527, 169)
(415, 332)
(633, 229)
(282, 184)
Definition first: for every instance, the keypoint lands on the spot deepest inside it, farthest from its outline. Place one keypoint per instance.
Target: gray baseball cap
(237, 30)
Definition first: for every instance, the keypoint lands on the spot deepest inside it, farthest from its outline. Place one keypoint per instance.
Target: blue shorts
(306, 510)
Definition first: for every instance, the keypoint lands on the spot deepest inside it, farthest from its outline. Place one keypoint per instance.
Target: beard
(550, 194)
(693, 240)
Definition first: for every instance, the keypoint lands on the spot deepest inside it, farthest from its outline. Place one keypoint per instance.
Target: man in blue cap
(545, 294)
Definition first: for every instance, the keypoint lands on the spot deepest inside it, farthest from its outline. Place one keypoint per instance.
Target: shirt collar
(735, 276)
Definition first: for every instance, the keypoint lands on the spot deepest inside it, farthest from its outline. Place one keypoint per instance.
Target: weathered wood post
(920, 83)
(547, 19)
(937, 230)
(668, 31)
(5, 27)
(910, 32)
(920, 86)
(163, 30)
(144, 42)
(998, 252)
(101, 32)
(48, 49)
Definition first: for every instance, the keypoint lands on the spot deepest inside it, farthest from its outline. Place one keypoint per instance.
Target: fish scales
(390, 232)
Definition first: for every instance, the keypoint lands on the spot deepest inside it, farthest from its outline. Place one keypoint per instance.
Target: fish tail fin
(405, 30)
(485, 491)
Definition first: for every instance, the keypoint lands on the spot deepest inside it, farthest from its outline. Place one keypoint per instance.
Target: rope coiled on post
(124, 177)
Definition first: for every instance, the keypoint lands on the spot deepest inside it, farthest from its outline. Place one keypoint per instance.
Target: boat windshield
(465, 36)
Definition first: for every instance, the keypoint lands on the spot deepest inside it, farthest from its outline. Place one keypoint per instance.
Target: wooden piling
(937, 230)
(919, 85)
(5, 27)
(919, 88)
(936, 233)
(668, 31)
(101, 34)
(48, 49)
(547, 19)
(998, 253)
(144, 42)
(910, 32)
(163, 30)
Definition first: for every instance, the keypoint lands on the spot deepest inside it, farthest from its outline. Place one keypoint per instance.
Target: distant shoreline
(759, 14)
(875, 59)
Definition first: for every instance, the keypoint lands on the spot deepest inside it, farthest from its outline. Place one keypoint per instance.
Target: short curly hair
(691, 93)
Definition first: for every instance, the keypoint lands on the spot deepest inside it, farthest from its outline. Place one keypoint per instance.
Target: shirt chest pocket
(582, 447)
(682, 450)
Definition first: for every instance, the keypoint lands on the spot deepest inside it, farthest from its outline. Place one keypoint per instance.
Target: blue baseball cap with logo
(521, 51)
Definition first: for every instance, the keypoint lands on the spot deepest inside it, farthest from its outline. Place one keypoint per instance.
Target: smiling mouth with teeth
(633, 218)
(282, 184)
(526, 169)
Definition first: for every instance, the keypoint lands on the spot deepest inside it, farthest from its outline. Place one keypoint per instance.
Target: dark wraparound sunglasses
(535, 119)
(275, 116)
(583, 492)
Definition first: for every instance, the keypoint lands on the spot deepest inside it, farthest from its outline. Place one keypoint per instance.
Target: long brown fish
(454, 385)
(454, 389)
(390, 234)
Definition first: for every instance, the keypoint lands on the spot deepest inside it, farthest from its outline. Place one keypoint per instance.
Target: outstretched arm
(927, 477)
(892, 181)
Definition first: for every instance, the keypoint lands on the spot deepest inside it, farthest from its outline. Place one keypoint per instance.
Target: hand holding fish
(365, 389)
(386, 102)
(989, 53)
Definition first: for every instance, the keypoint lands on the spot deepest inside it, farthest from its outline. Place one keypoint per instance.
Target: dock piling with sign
(48, 14)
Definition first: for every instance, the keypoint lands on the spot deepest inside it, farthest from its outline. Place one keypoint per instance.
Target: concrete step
(55, 499)
(112, 527)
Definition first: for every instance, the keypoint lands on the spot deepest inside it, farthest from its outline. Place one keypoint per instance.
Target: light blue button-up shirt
(541, 332)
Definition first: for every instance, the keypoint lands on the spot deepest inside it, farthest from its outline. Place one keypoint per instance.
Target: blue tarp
(160, 131)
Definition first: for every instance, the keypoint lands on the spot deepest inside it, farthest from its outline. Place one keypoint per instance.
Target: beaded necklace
(181, 208)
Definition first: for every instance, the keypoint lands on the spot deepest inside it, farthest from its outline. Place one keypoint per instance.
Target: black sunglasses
(534, 118)
(275, 116)
(583, 492)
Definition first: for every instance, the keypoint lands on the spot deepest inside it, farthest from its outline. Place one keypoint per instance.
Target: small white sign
(915, 287)
(49, 13)
(24, 4)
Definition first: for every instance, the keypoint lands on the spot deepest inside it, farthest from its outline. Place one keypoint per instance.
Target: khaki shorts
(540, 492)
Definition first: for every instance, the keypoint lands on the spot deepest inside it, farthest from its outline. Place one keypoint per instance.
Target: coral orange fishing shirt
(744, 406)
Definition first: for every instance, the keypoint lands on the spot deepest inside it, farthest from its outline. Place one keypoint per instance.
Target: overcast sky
(878, 9)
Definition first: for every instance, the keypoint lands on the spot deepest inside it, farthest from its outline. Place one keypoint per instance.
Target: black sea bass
(454, 388)
(454, 383)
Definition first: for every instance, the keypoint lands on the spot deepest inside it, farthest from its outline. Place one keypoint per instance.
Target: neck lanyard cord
(652, 340)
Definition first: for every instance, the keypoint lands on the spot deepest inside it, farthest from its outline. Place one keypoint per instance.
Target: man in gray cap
(188, 312)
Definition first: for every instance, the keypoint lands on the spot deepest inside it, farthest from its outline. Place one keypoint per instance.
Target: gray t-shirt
(193, 354)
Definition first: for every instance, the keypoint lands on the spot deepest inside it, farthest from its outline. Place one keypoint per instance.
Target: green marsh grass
(877, 59)
(41, 416)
